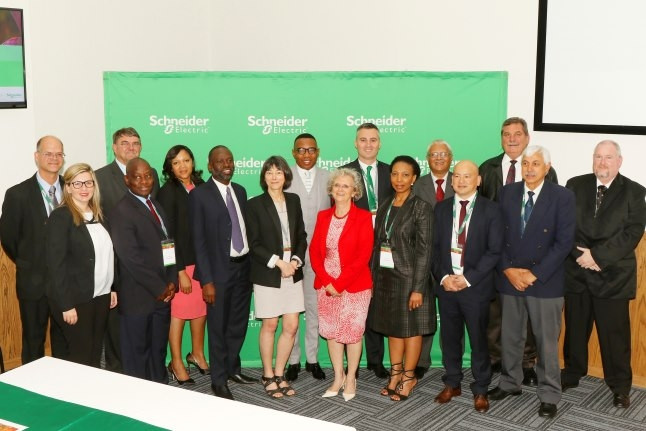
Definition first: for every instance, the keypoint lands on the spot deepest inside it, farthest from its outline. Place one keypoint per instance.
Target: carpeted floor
(586, 408)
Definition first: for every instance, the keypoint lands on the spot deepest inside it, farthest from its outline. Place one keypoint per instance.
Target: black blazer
(22, 232)
(384, 188)
(482, 250)
(266, 238)
(491, 174)
(70, 261)
(611, 237)
(113, 186)
(137, 237)
(173, 197)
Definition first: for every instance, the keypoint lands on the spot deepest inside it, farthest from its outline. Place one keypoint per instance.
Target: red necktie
(439, 193)
(152, 210)
(511, 174)
(462, 237)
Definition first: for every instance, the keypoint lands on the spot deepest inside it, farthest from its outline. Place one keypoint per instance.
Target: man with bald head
(147, 272)
(601, 271)
(467, 243)
(25, 210)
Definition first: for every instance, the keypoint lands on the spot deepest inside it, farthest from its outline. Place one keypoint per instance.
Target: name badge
(456, 258)
(386, 257)
(168, 252)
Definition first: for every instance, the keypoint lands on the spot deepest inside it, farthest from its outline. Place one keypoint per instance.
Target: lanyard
(460, 229)
(390, 230)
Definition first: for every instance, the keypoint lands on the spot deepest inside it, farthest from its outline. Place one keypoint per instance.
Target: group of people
(363, 250)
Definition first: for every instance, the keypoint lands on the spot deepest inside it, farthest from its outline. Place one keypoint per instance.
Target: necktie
(601, 190)
(152, 210)
(308, 181)
(439, 193)
(511, 174)
(52, 197)
(372, 201)
(462, 236)
(236, 232)
(529, 206)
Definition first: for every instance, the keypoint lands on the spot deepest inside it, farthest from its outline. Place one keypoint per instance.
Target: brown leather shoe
(480, 403)
(447, 393)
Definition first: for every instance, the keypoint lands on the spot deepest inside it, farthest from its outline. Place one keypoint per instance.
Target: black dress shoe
(222, 391)
(242, 379)
(291, 373)
(547, 410)
(529, 377)
(568, 385)
(496, 367)
(498, 394)
(420, 371)
(621, 401)
(379, 370)
(316, 370)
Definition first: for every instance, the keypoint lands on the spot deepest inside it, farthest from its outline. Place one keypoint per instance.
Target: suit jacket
(424, 187)
(316, 200)
(211, 226)
(611, 237)
(548, 238)
(481, 252)
(173, 197)
(22, 232)
(137, 238)
(113, 187)
(384, 188)
(266, 238)
(410, 241)
(70, 260)
(492, 181)
(355, 249)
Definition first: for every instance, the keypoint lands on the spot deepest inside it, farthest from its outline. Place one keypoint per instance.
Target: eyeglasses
(78, 184)
(439, 155)
(53, 155)
(124, 144)
(310, 150)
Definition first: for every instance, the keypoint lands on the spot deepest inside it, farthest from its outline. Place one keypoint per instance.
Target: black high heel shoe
(191, 361)
(172, 376)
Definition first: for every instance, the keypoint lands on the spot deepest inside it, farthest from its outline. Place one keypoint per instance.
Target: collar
(365, 166)
(536, 191)
(599, 183)
(121, 166)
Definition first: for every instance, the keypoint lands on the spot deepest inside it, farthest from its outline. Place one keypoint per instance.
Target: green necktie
(372, 200)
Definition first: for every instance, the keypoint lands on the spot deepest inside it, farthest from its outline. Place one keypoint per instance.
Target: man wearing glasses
(25, 210)
(126, 145)
(310, 184)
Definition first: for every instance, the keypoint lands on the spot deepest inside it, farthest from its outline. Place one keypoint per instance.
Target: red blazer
(355, 249)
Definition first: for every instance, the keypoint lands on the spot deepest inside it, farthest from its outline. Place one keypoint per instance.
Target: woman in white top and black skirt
(80, 266)
(277, 243)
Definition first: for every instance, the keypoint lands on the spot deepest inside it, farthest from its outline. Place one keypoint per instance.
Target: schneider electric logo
(285, 125)
(386, 123)
(186, 125)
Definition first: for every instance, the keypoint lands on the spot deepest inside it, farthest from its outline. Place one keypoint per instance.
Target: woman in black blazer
(80, 266)
(277, 243)
(180, 177)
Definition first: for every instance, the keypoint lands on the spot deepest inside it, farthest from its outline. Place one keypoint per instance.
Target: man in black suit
(498, 171)
(376, 179)
(434, 187)
(601, 271)
(217, 217)
(147, 271)
(467, 244)
(126, 145)
(25, 210)
(539, 224)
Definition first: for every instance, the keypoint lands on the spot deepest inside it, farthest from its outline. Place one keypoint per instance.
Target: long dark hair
(167, 170)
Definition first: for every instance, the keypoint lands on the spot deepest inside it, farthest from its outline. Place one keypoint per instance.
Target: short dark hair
(281, 165)
(304, 136)
(514, 120)
(409, 161)
(167, 170)
(218, 147)
(126, 131)
(368, 126)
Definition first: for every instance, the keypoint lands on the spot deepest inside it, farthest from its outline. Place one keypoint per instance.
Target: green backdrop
(258, 114)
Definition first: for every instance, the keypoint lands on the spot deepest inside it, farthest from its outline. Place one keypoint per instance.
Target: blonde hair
(94, 204)
(348, 172)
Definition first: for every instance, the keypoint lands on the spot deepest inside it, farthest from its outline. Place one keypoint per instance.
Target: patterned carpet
(586, 408)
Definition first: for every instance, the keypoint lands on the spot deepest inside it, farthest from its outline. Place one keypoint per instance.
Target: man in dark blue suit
(216, 213)
(539, 221)
(467, 244)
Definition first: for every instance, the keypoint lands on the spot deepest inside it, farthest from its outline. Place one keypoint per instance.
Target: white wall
(70, 43)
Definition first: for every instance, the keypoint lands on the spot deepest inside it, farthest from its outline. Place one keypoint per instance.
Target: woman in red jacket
(340, 255)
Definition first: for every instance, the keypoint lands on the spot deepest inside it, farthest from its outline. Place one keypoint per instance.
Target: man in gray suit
(310, 184)
(433, 188)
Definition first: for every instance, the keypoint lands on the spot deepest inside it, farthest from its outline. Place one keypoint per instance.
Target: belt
(237, 259)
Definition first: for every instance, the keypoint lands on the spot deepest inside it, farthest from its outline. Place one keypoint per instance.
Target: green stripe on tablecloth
(39, 412)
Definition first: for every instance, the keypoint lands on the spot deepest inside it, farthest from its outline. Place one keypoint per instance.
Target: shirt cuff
(298, 261)
(272, 262)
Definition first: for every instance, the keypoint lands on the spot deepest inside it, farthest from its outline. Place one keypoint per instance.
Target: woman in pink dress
(180, 178)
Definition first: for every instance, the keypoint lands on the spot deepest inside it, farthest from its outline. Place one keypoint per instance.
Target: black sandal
(273, 393)
(285, 389)
(409, 376)
(386, 391)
